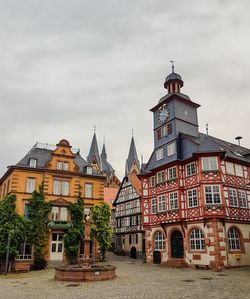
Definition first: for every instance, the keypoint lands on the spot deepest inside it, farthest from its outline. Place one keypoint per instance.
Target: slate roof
(43, 156)
(173, 76)
(182, 95)
(132, 157)
(188, 145)
(94, 152)
(105, 165)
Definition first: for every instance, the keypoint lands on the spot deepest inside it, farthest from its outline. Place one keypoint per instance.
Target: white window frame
(232, 197)
(30, 185)
(190, 169)
(22, 254)
(89, 170)
(192, 197)
(159, 154)
(63, 214)
(173, 200)
(213, 193)
(172, 173)
(55, 216)
(234, 239)
(171, 149)
(160, 177)
(159, 241)
(65, 188)
(153, 205)
(209, 163)
(65, 166)
(230, 168)
(161, 203)
(242, 199)
(33, 162)
(59, 165)
(197, 240)
(133, 220)
(152, 181)
(163, 131)
(88, 190)
(239, 170)
(61, 187)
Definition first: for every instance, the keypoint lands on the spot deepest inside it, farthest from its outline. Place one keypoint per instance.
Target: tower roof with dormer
(105, 165)
(132, 159)
(94, 157)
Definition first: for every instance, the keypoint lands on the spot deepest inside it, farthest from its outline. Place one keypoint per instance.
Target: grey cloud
(66, 66)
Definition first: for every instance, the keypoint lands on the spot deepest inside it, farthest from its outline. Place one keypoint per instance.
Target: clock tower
(175, 113)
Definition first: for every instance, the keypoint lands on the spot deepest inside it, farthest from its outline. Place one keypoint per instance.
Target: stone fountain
(86, 270)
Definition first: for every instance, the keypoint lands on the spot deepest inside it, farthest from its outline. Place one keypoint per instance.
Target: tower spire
(94, 157)
(132, 162)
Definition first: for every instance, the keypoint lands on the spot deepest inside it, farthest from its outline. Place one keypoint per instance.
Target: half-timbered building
(195, 190)
(129, 237)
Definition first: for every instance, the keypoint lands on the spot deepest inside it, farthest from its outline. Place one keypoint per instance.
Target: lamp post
(7, 253)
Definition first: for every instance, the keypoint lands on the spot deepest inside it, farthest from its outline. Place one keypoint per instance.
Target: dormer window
(89, 170)
(171, 150)
(209, 163)
(159, 154)
(33, 162)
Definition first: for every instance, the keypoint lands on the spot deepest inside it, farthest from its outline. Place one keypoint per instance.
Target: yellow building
(64, 173)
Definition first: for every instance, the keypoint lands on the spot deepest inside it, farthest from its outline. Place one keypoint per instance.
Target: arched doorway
(177, 250)
(133, 253)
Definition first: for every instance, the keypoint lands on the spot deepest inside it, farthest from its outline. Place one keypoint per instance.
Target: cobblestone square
(134, 280)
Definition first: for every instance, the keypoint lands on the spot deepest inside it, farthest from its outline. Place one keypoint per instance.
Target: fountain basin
(78, 274)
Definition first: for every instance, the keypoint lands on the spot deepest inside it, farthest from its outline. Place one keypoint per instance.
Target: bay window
(212, 194)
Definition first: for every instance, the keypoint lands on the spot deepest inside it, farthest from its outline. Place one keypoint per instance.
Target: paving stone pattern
(134, 280)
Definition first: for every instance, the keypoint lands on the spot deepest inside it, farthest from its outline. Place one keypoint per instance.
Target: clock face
(163, 114)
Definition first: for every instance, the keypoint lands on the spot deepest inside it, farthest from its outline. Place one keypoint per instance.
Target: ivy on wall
(100, 227)
(12, 227)
(39, 217)
(75, 234)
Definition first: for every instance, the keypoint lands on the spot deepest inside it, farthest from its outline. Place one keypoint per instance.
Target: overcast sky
(68, 65)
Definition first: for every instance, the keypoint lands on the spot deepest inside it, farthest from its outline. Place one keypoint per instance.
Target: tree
(100, 227)
(39, 217)
(74, 235)
(12, 226)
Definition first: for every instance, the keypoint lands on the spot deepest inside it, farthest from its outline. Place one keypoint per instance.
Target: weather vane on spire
(94, 128)
(132, 132)
(172, 65)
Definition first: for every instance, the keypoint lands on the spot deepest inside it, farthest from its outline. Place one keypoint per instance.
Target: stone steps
(175, 263)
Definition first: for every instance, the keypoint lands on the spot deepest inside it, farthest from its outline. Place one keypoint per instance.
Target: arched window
(197, 239)
(160, 241)
(234, 239)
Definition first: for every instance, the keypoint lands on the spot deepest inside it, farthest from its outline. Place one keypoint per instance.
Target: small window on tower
(169, 128)
(171, 150)
(159, 154)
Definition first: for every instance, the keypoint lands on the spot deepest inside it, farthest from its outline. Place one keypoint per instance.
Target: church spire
(132, 162)
(104, 153)
(94, 157)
